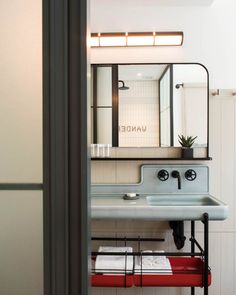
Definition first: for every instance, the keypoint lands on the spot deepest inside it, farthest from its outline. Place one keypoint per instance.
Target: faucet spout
(175, 174)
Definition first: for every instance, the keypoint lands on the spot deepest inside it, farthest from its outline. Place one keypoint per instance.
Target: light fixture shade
(110, 39)
(169, 39)
(136, 39)
(113, 40)
(94, 41)
(140, 39)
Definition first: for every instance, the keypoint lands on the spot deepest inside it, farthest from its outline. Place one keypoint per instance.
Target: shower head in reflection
(123, 87)
(177, 86)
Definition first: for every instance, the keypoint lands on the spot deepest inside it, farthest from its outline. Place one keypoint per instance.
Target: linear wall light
(137, 39)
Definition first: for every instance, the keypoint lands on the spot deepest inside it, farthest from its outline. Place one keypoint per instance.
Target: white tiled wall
(222, 185)
(138, 108)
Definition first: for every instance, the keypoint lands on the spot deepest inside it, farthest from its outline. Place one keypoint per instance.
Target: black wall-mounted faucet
(175, 174)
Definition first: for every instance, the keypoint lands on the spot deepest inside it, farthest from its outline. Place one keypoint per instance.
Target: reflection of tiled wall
(222, 185)
(138, 114)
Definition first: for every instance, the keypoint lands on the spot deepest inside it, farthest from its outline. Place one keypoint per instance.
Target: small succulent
(186, 141)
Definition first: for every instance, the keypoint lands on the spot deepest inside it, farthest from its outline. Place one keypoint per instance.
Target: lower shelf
(113, 281)
(186, 272)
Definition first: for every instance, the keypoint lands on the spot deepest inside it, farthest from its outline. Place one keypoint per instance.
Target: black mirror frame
(115, 116)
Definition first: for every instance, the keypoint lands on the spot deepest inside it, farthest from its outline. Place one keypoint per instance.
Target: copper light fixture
(137, 39)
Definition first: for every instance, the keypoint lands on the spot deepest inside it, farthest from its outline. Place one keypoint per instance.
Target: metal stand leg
(192, 290)
(192, 235)
(192, 247)
(205, 221)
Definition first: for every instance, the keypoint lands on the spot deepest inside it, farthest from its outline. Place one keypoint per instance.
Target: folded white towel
(114, 263)
(152, 264)
(157, 260)
(147, 260)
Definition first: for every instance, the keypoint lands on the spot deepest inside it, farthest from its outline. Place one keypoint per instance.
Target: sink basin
(188, 206)
(182, 200)
(158, 207)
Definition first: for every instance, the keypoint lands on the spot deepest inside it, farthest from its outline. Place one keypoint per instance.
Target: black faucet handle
(190, 174)
(163, 175)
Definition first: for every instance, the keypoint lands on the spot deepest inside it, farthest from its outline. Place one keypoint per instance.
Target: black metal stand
(202, 251)
(206, 245)
(192, 247)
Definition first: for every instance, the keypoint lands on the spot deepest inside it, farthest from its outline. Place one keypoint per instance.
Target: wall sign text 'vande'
(141, 129)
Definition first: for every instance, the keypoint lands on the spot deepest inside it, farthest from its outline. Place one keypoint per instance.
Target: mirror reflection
(149, 105)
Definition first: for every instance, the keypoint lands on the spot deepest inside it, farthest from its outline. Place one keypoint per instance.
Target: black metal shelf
(151, 159)
(189, 269)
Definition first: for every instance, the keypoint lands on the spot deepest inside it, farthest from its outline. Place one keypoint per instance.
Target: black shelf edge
(151, 159)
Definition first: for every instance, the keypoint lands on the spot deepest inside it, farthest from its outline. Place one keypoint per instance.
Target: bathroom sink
(160, 200)
(182, 200)
(188, 206)
(158, 207)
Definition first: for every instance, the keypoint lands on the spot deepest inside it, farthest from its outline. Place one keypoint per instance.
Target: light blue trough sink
(158, 207)
(188, 206)
(183, 200)
(159, 200)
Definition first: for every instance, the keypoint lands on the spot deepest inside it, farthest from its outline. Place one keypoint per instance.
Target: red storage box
(111, 280)
(186, 272)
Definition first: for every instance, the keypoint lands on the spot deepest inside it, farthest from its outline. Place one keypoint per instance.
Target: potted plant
(186, 143)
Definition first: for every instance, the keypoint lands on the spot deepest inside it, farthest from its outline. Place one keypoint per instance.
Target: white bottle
(108, 150)
(97, 150)
(102, 150)
(93, 150)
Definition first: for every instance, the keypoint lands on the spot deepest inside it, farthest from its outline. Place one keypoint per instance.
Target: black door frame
(65, 161)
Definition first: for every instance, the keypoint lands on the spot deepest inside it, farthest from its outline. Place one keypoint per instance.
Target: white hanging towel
(152, 264)
(118, 264)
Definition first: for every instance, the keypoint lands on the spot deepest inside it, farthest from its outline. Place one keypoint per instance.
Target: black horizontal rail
(123, 239)
(144, 271)
(101, 107)
(182, 254)
(150, 159)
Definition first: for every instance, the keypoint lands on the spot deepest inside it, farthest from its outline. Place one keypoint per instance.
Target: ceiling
(141, 72)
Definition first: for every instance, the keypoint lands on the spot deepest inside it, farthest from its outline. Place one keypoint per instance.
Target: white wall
(190, 103)
(21, 217)
(104, 98)
(138, 108)
(208, 34)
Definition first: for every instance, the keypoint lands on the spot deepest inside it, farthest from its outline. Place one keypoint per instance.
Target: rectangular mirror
(149, 105)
